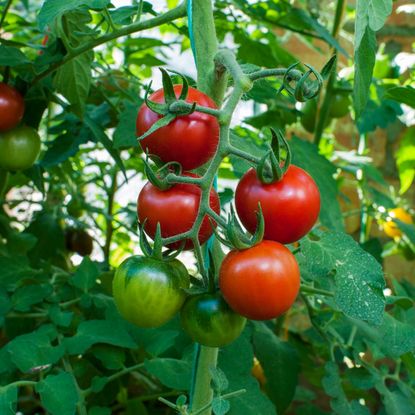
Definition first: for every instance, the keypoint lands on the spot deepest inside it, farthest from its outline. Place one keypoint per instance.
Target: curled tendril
(302, 91)
(158, 177)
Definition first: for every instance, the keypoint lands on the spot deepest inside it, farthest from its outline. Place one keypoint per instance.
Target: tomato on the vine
(79, 241)
(190, 139)
(260, 282)
(209, 320)
(11, 107)
(148, 292)
(390, 227)
(19, 148)
(175, 209)
(339, 106)
(309, 116)
(290, 206)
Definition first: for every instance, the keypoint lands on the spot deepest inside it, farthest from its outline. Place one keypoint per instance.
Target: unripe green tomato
(339, 106)
(209, 320)
(148, 292)
(19, 148)
(309, 114)
(75, 208)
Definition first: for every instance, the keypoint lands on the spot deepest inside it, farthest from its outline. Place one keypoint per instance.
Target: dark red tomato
(175, 209)
(190, 140)
(290, 206)
(11, 107)
(261, 282)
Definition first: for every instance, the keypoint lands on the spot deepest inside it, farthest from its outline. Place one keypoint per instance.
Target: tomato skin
(390, 227)
(339, 106)
(148, 292)
(290, 206)
(209, 320)
(261, 282)
(19, 148)
(11, 107)
(79, 241)
(175, 209)
(190, 140)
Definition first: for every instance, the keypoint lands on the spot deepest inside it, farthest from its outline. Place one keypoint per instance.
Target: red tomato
(290, 206)
(190, 140)
(175, 209)
(11, 107)
(261, 282)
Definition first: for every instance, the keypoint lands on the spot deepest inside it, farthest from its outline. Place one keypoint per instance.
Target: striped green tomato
(148, 292)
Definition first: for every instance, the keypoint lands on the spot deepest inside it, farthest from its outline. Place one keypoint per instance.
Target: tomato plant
(290, 206)
(209, 320)
(190, 140)
(261, 282)
(19, 148)
(11, 107)
(175, 209)
(149, 292)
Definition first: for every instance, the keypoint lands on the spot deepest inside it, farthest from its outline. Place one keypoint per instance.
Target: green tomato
(309, 114)
(19, 148)
(339, 106)
(75, 208)
(148, 292)
(209, 320)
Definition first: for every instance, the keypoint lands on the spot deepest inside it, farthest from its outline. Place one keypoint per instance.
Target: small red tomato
(175, 209)
(290, 206)
(261, 282)
(190, 139)
(11, 107)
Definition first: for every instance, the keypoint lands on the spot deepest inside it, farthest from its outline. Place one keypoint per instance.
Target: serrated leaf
(359, 281)
(86, 275)
(172, 373)
(59, 394)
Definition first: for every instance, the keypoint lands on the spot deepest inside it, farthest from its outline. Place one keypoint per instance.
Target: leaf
(280, 363)
(29, 295)
(14, 269)
(98, 331)
(8, 400)
(219, 381)
(306, 156)
(403, 94)
(59, 394)
(405, 159)
(86, 275)
(220, 406)
(10, 56)
(378, 11)
(61, 148)
(359, 281)
(125, 133)
(396, 403)
(172, 373)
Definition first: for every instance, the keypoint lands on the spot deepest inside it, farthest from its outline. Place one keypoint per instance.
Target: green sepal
(144, 244)
(158, 244)
(169, 95)
(162, 122)
(157, 107)
(153, 178)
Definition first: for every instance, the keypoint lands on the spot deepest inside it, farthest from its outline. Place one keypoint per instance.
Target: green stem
(18, 384)
(173, 14)
(5, 10)
(311, 290)
(226, 396)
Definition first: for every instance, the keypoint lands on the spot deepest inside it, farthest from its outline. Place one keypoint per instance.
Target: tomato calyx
(168, 110)
(158, 178)
(236, 237)
(272, 167)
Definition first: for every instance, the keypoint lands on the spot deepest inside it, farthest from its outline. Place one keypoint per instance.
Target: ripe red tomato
(290, 206)
(190, 140)
(11, 107)
(261, 282)
(175, 209)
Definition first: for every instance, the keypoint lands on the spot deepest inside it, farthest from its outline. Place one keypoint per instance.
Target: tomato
(148, 292)
(79, 241)
(175, 209)
(290, 206)
(309, 116)
(390, 227)
(75, 207)
(11, 107)
(260, 282)
(190, 140)
(209, 320)
(19, 148)
(339, 106)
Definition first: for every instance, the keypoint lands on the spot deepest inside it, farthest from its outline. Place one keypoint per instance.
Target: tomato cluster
(19, 145)
(258, 282)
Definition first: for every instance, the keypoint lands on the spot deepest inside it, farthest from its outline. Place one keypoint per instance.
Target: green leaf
(86, 275)
(61, 148)
(220, 406)
(358, 278)
(10, 56)
(378, 11)
(52, 9)
(100, 410)
(8, 400)
(172, 373)
(403, 94)
(29, 295)
(111, 357)
(280, 363)
(98, 331)
(405, 159)
(396, 402)
(59, 394)
(306, 156)
(219, 381)
(13, 269)
(34, 350)
(59, 317)
(125, 133)
(333, 386)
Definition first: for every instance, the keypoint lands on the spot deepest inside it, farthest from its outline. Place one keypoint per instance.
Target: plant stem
(311, 290)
